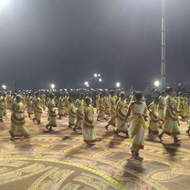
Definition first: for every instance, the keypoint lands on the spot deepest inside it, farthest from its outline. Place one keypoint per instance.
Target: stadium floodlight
(157, 83)
(118, 84)
(4, 87)
(52, 86)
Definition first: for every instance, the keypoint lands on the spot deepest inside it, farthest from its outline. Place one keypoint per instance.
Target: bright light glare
(99, 75)
(157, 83)
(118, 84)
(4, 87)
(95, 75)
(100, 80)
(86, 83)
(52, 86)
(3, 2)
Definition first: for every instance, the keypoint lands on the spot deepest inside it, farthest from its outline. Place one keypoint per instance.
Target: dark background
(66, 41)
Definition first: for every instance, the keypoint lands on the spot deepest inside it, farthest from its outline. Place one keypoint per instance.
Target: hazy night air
(66, 41)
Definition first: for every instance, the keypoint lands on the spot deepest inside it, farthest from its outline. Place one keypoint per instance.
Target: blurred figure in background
(88, 131)
(18, 128)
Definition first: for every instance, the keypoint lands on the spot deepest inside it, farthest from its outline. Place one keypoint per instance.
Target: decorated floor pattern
(61, 160)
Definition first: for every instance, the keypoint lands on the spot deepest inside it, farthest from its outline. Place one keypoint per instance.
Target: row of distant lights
(78, 89)
(118, 84)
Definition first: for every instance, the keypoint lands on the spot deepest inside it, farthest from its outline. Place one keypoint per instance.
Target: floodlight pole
(163, 47)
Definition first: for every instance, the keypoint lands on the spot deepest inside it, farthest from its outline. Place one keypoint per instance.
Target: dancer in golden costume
(24, 99)
(5, 107)
(107, 104)
(132, 97)
(88, 131)
(2, 106)
(61, 106)
(13, 99)
(101, 113)
(153, 117)
(137, 125)
(29, 102)
(51, 113)
(43, 101)
(181, 106)
(113, 110)
(18, 128)
(79, 112)
(90, 95)
(9, 100)
(161, 105)
(188, 122)
(72, 113)
(66, 103)
(171, 124)
(37, 105)
(121, 112)
(186, 104)
(97, 102)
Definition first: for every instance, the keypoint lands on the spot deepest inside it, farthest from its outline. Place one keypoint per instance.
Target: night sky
(67, 41)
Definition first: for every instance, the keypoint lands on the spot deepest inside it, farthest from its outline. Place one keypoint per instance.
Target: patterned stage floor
(60, 160)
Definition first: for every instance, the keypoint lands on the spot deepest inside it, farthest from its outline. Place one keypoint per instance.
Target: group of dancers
(126, 115)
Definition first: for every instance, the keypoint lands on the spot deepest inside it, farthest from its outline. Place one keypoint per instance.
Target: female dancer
(171, 125)
(80, 112)
(29, 105)
(37, 105)
(72, 113)
(66, 103)
(137, 125)
(18, 128)
(107, 104)
(2, 106)
(153, 117)
(113, 110)
(121, 112)
(88, 131)
(61, 106)
(51, 113)
(181, 106)
(101, 113)
(161, 105)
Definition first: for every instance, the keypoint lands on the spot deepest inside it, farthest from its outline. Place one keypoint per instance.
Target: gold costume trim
(72, 113)
(61, 106)
(121, 115)
(154, 117)
(79, 115)
(137, 146)
(51, 113)
(87, 124)
(171, 114)
(113, 111)
(37, 109)
(90, 141)
(16, 120)
(24, 135)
